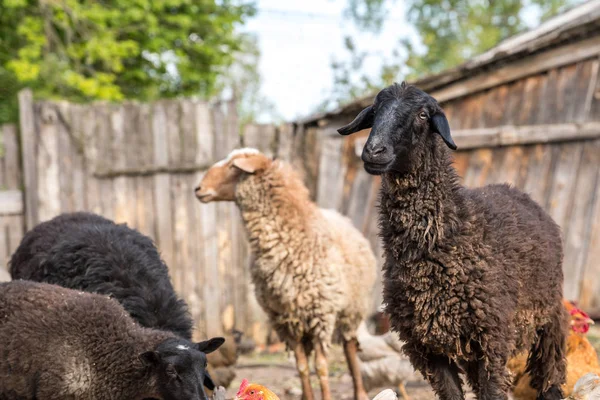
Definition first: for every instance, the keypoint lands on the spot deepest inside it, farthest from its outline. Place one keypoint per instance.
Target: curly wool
(313, 270)
(471, 274)
(87, 252)
(61, 344)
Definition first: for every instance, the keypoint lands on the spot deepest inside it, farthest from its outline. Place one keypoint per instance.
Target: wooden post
(28, 152)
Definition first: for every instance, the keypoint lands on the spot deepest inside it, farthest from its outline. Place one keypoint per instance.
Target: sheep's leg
(303, 371)
(350, 350)
(493, 380)
(546, 361)
(442, 374)
(322, 371)
(403, 392)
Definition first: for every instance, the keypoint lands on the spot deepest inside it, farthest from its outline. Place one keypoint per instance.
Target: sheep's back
(59, 340)
(97, 255)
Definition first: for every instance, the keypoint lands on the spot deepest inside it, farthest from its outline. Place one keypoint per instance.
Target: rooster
(581, 357)
(253, 391)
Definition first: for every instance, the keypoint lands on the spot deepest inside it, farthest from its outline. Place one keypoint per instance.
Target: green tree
(84, 50)
(450, 32)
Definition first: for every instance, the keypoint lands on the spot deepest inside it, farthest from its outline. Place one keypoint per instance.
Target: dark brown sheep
(59, 343)
(471, 276)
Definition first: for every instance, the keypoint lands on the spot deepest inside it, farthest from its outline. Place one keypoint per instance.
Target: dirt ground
(277, 372)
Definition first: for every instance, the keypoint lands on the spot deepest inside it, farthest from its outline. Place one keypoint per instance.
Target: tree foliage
(450, 32)
(83, 50)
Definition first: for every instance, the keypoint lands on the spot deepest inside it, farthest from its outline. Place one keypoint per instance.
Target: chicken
(581, 357)
(586, 388)
(382, 362)
(253, 391)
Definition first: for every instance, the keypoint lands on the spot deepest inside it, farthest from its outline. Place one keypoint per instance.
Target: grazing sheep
(471, 276)
(59, 343)
(87, 252)
(313, 270)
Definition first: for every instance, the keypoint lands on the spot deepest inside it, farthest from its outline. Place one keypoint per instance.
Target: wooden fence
(139, 163)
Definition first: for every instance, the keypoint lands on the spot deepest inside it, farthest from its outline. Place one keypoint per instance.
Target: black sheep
(471, 276)
(59, 343)
(87, 252)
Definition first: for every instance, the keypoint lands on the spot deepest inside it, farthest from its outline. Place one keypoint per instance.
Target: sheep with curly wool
(59, 343)
(313, 271)
(471, 276)
(88, 252)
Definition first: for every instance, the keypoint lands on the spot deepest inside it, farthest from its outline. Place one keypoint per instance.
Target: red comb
(243, 386)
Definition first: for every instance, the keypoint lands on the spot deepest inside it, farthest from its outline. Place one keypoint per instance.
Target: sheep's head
(178, 367)
(403, 120)
(220, 181)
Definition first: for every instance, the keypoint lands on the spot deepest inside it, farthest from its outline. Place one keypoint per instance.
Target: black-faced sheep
(87, 252)
(471, 276)
(313, 271)
(59, 343)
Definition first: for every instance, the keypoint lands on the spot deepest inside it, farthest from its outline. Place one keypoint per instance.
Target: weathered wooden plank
(232, 127)
(174, 136)
(285, 142)
(162, 183)
(514, 101)
(591, 92)
(29, 139)
(195, 297)
(15, 231)
(5, 253)
(104, 158)
(181, 257)
(544, 61)
(461, 163)
(78, 125)
(509, 171)
(65, 150)
(580, 220)
(12, 165)
(559, 201)
(478, 168)
(528, 134)
(261, 137)
(331, 176)
(48, 195)
(11, 202)
(541, 161)
(590, 286)
(204, 153)
(122, 120)
(211, 283)
(226, 284)
(88, 123)
(145, 213)
(187, 129)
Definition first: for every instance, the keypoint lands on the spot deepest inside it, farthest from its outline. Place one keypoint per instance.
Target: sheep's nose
(197, 188)
(375, 151)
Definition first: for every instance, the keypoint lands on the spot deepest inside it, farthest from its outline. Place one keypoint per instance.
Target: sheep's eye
(423, 115)
(251, 392)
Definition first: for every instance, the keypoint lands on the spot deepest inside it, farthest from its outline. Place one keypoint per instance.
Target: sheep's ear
(210, 345)
(440, 125)
(249, 164)
(362, 121)
(149, 358)
(208, 382)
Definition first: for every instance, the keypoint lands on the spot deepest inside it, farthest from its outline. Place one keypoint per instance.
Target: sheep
(312, 270)
(88, 252)
(59, 343)
(471, 276)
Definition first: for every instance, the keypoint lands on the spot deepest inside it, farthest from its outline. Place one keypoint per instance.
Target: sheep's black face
(402, 120)
(179, 367)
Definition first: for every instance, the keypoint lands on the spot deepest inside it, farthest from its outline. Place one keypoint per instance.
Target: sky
(298, 40)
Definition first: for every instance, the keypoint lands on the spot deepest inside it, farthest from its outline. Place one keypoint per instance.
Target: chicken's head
(252, 391)
(580, 321)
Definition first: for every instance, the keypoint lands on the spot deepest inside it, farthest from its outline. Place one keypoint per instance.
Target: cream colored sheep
(313, 271)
